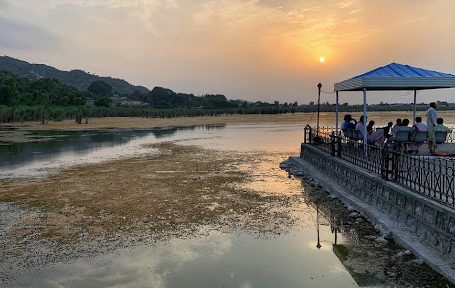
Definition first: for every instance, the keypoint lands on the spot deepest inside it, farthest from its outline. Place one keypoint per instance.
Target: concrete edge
(381, 221)
(396, 186)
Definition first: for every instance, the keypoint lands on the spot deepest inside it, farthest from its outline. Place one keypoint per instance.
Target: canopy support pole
(365, 133)
(319, 107)
(337, 108)
(415, 107)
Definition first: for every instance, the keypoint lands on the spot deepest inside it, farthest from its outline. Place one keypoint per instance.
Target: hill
(76, 78)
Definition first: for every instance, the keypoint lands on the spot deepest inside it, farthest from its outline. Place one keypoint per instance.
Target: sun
(322, 59)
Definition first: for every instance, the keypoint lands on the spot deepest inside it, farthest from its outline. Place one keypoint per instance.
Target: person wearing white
(376, 136)
(418, 126)
(395, 128)
(421, 127)
(432, 116)
(359, 126)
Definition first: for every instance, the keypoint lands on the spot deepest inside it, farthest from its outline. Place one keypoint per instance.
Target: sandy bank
(137, 122)
(327, 119)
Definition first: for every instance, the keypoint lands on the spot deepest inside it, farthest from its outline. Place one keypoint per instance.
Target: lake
(277, 247)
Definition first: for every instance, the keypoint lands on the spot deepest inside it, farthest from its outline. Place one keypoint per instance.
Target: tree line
(44, 99)
(22, 99)
(15, 91)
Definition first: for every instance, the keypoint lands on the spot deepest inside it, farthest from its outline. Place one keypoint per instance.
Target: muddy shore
(96, 208)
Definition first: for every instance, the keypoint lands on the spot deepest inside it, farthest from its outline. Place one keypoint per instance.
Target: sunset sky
(250, 49)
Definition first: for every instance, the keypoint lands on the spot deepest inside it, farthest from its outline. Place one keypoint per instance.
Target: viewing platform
(424, 173)
(410, 198)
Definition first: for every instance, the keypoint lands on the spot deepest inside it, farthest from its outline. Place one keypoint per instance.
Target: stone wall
(433, 224)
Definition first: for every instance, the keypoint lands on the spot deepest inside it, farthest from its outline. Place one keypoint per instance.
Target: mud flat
(92, 209)
(327, 119)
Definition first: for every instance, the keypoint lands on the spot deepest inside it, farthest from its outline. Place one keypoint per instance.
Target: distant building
(132, 103)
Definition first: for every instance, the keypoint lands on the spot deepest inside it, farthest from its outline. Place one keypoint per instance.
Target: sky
(245, 49)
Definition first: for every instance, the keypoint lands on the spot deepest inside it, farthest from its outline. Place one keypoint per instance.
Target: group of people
(388, 133)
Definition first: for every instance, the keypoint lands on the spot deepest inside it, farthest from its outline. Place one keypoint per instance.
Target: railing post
(310, 135)
(304, 135)
(385, 163)
(395, 159)
(307, 137)
(332, 143)
(339, 139)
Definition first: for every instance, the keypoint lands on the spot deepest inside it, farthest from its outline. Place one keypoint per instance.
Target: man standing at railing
(432, 116)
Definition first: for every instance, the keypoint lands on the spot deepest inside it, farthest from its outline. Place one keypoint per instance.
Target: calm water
(211, 258)
(215, 260)
(35, 159)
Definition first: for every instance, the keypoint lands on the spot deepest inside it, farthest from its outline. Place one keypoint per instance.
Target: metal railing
(433, 177)
(354, 152)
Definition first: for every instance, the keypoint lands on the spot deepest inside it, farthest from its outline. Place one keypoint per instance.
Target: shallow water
(213, 260)
(38, 159)
(210, 258)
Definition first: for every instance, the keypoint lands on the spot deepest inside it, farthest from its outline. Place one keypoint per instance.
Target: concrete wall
(431, 223)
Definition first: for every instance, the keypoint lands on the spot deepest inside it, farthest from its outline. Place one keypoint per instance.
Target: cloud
(17, 34)
(346, 4)
(251, 49)
(144, 8)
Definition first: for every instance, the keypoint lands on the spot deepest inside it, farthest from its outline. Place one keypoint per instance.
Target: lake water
(210, 258)
(37, 159)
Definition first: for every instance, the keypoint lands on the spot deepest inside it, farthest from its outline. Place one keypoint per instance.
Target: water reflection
(349, 234)
(68, 148)
(369, 258)
(215, 260)
(37, 159)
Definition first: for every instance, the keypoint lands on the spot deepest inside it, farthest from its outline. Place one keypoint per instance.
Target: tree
(103, 101)
(100, 89)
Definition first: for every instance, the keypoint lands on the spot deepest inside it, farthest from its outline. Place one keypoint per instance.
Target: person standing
(432, 116)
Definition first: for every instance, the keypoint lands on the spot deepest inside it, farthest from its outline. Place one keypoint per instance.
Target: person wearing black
(386, 129)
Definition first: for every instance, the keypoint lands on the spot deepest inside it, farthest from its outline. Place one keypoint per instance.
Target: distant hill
(76, 78)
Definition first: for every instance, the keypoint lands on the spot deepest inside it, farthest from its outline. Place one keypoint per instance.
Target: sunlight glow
(322, 59)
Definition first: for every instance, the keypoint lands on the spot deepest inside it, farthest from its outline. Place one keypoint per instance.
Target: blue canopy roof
(400, 70)
(398, 77)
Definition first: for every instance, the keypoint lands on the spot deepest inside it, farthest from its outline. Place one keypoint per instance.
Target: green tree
(100, 89)
(103, 102)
